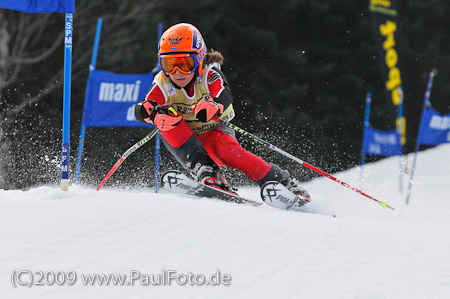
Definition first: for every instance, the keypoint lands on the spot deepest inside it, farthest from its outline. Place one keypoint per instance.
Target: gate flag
(110, 98)
(377, 142)
(38, 6)
(434, 127)
(381, 143)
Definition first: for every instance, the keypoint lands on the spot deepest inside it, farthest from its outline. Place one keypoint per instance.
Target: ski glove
(165, 117)
(205, 110)
(148, 113)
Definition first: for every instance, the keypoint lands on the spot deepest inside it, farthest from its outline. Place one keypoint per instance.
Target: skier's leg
(183, 144)
(224, 149)
(282, 176)
(275, 174)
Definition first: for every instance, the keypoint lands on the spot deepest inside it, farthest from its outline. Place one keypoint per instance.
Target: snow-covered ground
(364, 252)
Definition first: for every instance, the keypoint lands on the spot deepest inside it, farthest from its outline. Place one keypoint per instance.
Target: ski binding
(177, 182)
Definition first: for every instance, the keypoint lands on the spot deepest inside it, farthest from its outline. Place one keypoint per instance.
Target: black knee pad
(190, 154)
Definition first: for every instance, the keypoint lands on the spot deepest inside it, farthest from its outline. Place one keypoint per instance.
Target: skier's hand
(166, 118)
(147, 111)
(205, 110)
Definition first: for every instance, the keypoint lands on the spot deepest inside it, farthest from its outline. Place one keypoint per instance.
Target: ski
(273, 194)
(278, 196)
(177, 182)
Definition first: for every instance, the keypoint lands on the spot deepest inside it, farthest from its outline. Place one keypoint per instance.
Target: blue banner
(434, 127)
(35, 6)
(110, 98)
(381, 143)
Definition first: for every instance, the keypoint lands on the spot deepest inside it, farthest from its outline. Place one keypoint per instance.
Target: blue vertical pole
(80, 154)
(157, 138)
(401, 135)
(366, 126)
(65, 150)
(157, 149)
(83, 127)
(426, 103)
(160, 32)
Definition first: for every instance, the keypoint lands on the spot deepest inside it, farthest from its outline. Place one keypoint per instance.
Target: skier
(185, 97)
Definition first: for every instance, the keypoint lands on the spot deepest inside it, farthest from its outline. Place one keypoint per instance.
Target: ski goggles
(185, 63)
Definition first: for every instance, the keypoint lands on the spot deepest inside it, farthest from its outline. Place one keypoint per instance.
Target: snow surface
(364, 252)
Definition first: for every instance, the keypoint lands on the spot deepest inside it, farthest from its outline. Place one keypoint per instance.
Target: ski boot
(282, 176)
(211, 176)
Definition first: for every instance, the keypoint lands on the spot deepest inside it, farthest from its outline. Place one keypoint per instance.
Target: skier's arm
(143, 111)
(219, 88)
(153, 110)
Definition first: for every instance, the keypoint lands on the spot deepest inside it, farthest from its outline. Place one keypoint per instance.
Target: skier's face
(181, 79)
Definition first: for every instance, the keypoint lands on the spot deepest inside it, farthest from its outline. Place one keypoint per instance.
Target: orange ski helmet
(182, 48)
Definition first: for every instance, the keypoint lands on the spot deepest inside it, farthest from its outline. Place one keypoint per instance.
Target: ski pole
(384, 204)
(127, 153)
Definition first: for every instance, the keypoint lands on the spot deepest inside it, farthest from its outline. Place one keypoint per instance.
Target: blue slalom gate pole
(80, 154)
(366, 126)
(65, 150)
(83, 127)
(157, 138)
(401, 135)
(426, 102)
(157, 149)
